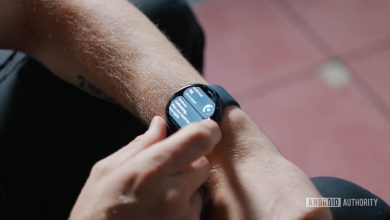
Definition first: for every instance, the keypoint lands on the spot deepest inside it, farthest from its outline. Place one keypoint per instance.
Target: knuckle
(100, 168)
(135, 176)
(205, 165)
(172, 201)
(172, 197)
(139, 139)
(204, 161)
(137, 179)
(202, 165)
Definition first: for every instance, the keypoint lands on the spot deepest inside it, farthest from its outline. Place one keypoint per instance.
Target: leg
(176, 20)
(51, 133)
(332, 187)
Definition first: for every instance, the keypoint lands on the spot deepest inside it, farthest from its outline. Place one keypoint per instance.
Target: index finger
(186, 145)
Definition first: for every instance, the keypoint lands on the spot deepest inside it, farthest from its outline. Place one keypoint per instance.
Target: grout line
(361, 52)
(268, 87)
(325, 48)
(281, 82)
(369, 50)
(299, 22)
(375, 99)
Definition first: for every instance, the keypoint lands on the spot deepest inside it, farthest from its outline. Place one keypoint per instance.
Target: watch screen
(194, 105)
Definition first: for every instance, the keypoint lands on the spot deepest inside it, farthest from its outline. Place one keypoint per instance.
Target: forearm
(252, 180)
(13, 32)
(113, 46)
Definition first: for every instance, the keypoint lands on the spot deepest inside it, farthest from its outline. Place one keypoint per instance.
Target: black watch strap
(226, 98)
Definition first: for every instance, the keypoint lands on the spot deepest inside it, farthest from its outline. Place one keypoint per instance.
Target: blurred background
(314, 75)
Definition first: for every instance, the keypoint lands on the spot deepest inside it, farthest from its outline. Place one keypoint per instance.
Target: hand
(153, 177)
(251, 179)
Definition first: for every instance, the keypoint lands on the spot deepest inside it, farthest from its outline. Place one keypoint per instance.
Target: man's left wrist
(241, 138)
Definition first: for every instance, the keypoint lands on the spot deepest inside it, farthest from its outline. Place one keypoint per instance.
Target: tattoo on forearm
(90, 88)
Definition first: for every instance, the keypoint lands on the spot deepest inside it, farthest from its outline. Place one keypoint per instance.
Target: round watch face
(191, 104)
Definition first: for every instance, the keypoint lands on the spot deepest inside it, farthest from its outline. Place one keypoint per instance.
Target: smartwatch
(197, 102)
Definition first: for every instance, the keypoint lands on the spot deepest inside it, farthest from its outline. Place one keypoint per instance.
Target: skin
(117, 49)
(153, 177)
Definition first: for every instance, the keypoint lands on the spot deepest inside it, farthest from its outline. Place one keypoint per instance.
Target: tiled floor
(314, 75)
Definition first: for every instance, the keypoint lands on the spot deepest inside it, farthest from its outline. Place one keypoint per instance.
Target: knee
(332, 187)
